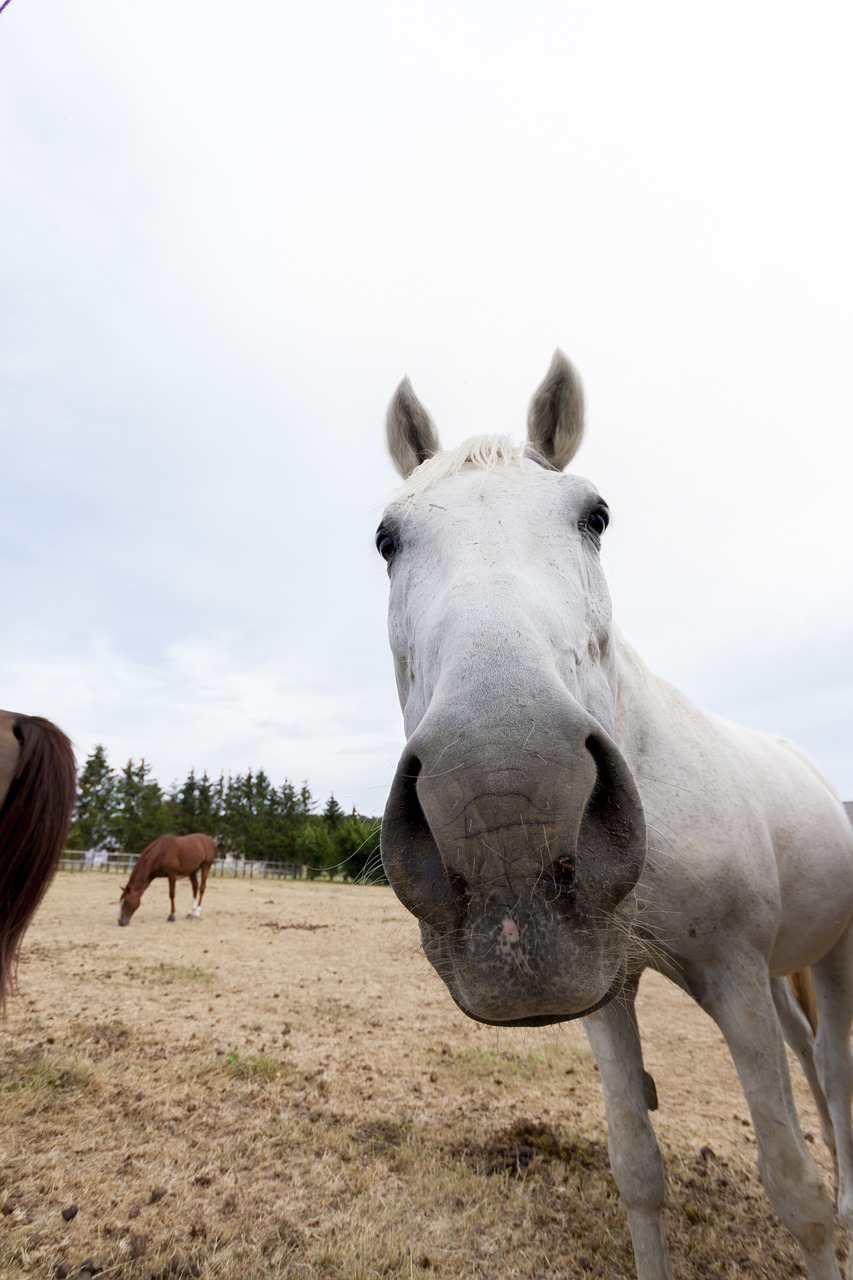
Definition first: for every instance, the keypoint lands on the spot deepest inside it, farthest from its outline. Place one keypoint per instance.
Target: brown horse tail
(34, 822)
(803, 988)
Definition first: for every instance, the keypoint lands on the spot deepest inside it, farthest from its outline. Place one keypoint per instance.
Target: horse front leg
(171, 917)
(635, 1157)
(739, 1000)
(193, 911)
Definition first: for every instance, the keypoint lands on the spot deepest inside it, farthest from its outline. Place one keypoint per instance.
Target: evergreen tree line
(247, 815)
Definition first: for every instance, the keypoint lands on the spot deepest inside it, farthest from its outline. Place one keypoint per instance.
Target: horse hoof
(170, 919)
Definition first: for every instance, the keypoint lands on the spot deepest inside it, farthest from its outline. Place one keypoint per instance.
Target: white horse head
(514, 830)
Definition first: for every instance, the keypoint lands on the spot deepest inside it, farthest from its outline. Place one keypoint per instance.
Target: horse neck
(140, 876)
(642, 699)
(654, 723)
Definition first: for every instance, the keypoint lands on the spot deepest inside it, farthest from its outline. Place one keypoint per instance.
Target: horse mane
(34, 823)
(484, 453)
(140, 867)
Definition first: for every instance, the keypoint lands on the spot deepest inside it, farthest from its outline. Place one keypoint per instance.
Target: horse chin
(124, 920)
(548, 1019)
(562, 982)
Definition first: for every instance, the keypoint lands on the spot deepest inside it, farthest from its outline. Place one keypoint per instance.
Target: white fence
(234, 868)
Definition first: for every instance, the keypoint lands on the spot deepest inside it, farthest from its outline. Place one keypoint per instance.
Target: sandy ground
(183, 1084)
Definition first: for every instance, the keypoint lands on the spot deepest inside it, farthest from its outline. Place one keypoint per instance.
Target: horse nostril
(612, 834)
(411, 857)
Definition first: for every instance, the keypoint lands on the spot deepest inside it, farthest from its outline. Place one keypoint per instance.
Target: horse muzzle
(518, 854)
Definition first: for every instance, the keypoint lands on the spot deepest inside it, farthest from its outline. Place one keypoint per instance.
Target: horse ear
(555, 416)
(412, 437)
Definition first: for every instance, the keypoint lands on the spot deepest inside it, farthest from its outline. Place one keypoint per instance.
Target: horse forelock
(483, 453)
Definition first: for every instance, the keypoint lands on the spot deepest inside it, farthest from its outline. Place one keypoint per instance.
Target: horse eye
(385, 544)
(598, 519)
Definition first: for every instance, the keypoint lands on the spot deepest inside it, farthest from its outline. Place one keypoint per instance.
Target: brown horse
(38, 787)
(171, 856)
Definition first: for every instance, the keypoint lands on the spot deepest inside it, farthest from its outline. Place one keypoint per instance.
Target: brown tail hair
(804, 991)
(34, 822)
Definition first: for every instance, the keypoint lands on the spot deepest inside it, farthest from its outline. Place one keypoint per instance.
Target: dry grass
(285, 1090)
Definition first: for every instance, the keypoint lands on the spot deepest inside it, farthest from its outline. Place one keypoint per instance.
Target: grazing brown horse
(171, 856)
(38, 787)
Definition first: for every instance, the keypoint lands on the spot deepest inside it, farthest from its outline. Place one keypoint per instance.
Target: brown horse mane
(34, 823)
(139, 873)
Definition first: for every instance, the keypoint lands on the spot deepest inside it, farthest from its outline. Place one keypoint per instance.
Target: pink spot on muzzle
(509, 946)
(510, 933)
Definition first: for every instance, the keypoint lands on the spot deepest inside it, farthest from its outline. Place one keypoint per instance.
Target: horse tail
(34, 822)
(803, 988)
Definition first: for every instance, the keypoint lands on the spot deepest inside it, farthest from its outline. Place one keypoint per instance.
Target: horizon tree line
(247, 814)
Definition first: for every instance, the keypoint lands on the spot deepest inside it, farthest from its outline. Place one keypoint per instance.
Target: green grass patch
(260, 1066)
(501, 1063)
(43, 1073)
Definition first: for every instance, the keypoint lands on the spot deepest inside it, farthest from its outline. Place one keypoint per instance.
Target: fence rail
(223, 868)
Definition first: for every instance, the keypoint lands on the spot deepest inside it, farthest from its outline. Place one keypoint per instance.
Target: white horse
(562, 819)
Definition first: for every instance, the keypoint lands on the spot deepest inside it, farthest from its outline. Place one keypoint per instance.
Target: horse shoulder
(744, 829)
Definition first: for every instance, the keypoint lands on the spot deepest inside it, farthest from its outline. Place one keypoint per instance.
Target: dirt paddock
(284, 1089)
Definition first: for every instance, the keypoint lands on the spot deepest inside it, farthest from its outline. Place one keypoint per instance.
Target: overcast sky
(227, 233)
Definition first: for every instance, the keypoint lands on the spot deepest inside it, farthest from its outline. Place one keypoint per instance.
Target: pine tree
(206, 815)
(314, 848)
(199, 805)
(333, 814)
(140, 813)
(356, 848)
(246, 814)
(95, 816)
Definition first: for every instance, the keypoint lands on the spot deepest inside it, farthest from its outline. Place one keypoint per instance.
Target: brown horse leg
(204, 870)
(193, 911)
(170, 918)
